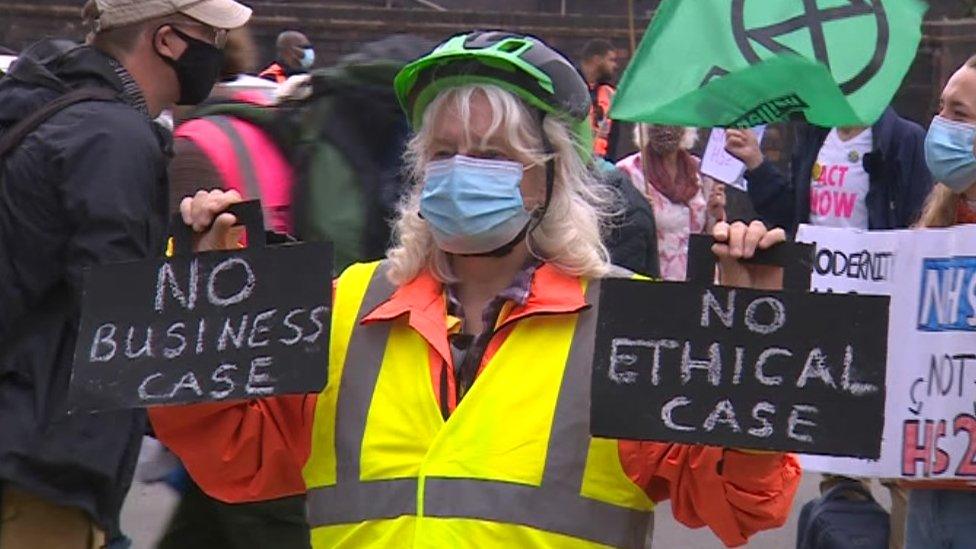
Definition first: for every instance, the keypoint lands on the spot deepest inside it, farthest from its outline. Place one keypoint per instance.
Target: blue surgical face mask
(473, 206)
(949, 153)
(308, 58)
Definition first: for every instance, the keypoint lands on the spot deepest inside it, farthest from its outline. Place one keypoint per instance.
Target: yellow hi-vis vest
(513, 466)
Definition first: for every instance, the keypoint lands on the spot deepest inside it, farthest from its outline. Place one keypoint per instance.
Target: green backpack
(345, 144)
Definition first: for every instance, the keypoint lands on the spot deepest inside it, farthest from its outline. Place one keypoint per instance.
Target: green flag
(740, 63)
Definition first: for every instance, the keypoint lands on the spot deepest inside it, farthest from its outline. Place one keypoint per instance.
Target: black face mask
(197, 69)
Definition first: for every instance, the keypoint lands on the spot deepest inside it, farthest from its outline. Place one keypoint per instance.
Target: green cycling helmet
(521, 64)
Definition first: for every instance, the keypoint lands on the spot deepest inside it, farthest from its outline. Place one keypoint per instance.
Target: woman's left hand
(740, 241)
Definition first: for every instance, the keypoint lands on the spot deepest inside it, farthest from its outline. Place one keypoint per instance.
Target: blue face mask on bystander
(308, 58)
(949, 153)
(473, 206)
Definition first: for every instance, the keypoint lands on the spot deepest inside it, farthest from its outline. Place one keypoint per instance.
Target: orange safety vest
(602, 97)
(275, 72)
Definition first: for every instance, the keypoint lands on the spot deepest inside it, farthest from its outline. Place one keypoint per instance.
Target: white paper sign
(930, 410)
(721, 165)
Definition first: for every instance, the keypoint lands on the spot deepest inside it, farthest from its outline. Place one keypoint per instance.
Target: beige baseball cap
(220, 14)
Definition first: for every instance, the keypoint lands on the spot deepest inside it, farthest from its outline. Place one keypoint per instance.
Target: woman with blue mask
(950, 153)
(452, 376)
(941, 513)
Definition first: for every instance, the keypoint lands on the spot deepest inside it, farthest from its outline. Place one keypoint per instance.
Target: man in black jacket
(85, 187)
(868, 177)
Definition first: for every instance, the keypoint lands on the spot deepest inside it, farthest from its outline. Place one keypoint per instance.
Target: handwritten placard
(930, 426)
(204, 327)
(703, 364)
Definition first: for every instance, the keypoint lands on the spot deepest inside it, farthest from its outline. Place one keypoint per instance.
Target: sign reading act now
(701, 364)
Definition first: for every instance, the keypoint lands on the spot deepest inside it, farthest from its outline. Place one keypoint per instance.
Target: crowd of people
(476, 191)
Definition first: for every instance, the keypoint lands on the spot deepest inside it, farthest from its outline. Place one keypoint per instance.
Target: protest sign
(722, 166)
(702, 364)
(205, 327)
(930, 426)
(742, 63)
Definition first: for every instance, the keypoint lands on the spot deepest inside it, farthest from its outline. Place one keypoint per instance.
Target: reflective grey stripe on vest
(554, 506)
(351, 500)
(243, 156)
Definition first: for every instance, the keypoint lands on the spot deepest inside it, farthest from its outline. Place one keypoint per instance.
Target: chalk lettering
(188, 381)
(796, 420)
(241, 294)
(294, 327)
(227, 333)
(200, 329)
(258, 329)
(737, 371)
(766, 430)
(667, 412)
(723, 413)
(316, 317)
(259, 381)
(104, 336)
(761, 363)
(222, 376)
(167, 279)
(816, 366)
(620, 361)
(777, 322)
(712, 365)
(145, 350)
(709, 303)
(856, 388)
(144, 393)
(174, 332)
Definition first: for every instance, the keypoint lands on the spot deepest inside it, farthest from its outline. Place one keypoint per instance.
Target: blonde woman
(677, 192)
(940, 514)
(457, 408)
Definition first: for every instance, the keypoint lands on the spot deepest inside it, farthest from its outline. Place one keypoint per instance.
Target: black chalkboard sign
(205, 327)
(703, 364)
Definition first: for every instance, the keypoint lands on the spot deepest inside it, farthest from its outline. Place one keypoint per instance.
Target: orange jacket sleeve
(735, 494)
(243, 451)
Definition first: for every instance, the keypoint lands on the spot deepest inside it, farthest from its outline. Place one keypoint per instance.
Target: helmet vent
(511, 46)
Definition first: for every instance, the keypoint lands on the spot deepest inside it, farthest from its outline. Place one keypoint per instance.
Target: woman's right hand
(205, 213)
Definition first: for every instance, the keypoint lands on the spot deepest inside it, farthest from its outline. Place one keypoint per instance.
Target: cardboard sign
(722, 166)
(205, 327)
(930, 414)
(701, 364)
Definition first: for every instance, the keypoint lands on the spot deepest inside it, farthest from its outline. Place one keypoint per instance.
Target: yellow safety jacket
(513, 466)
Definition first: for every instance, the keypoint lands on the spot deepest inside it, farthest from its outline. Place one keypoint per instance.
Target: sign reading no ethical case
(205, 327)
(701, 364)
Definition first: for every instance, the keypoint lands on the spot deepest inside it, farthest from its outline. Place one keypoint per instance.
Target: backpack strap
(244, 162)
(22, 129)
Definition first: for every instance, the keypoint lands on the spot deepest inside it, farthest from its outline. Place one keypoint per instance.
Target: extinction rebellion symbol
(816, 21)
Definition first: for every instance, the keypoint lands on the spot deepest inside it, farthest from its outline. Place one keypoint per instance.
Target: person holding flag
(457, 412)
